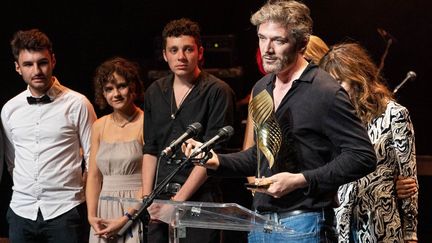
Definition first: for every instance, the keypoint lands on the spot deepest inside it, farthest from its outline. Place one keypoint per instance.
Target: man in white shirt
(47, 133)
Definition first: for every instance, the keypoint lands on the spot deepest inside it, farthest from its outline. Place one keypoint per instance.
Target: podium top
(224, 216)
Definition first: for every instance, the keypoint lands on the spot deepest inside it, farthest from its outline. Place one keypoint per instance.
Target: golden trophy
(267, 131)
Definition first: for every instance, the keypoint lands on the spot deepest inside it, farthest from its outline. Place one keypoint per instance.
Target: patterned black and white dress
(369, 210)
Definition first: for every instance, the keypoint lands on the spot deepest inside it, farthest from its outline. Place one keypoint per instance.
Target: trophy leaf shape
(267, 131)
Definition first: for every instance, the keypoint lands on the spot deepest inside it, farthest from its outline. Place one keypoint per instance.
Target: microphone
(411, 75)
(191, 131)
(223, 134)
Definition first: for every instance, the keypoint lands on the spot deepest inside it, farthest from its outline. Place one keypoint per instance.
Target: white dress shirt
(43, 145)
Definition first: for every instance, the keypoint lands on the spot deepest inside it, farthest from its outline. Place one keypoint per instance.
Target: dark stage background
(85, 33)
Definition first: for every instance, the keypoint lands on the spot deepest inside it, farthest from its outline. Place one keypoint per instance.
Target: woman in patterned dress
(370, 210)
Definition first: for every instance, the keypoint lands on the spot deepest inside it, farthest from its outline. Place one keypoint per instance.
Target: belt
(296, 212)
(280, 215)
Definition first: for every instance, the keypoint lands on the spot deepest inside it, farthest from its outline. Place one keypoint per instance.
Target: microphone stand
(383, 57)
(408, 77)
(142, 213)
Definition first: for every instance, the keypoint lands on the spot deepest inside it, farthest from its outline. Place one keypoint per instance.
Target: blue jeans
(66, 228)
(307, 227)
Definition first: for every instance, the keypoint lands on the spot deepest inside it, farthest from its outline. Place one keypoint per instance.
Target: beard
(277, 64)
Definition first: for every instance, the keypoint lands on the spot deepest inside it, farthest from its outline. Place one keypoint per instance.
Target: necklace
(128, 120)
(174, 113)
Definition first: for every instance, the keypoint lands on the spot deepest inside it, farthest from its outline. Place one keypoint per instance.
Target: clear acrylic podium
(223, 216)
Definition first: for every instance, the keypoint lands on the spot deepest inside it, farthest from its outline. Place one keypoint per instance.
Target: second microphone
(223, 134)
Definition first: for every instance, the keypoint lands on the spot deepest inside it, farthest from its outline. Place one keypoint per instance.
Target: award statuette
(267, 131)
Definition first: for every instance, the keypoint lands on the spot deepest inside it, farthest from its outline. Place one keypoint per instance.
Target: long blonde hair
(315, 49)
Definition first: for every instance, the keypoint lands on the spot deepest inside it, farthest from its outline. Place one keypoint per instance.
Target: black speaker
(219, 51)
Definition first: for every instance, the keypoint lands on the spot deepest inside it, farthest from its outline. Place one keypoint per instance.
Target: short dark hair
(178, 27)
(33, 39)
(123, 67)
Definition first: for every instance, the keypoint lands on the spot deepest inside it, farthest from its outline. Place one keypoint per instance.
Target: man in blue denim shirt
(323, 142)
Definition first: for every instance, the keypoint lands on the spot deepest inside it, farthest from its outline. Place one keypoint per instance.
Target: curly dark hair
(183, 26)
(104, 74)
(33, 39)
